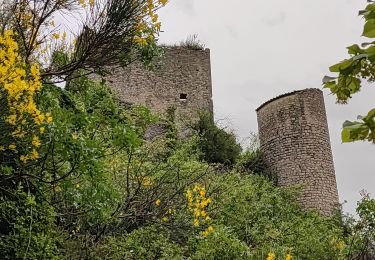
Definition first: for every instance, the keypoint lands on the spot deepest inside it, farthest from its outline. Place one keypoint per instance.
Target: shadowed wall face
(295, 142)
(181, 80)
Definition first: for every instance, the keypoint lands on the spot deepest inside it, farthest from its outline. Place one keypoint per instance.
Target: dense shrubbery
(100, 191)
(216, 145)
(149, 242)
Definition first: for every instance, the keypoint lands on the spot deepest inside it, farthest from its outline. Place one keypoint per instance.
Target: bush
(27, 227)
(220, 244)
(216, 145)
(144, 243)
(252, 162)
(268, 218)
(360, 233)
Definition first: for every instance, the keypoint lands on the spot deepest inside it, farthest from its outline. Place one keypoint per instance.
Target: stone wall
(295, 142)
(182, 79)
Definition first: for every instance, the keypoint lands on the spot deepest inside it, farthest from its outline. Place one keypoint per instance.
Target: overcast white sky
(260, 49)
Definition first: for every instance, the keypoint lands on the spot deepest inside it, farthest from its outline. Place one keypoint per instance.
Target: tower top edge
(176, 47)
(296, 92)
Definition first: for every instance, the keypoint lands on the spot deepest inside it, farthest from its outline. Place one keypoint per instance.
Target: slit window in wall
(183, 97)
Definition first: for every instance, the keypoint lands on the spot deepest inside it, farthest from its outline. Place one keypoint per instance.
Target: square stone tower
(181, 80)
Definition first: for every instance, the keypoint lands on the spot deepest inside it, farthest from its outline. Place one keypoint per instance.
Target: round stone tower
(294, 140)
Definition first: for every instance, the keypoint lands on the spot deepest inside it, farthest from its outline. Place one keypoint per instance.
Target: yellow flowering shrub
(271, 256)
(198, 203)
(149, 24)
(18, 85)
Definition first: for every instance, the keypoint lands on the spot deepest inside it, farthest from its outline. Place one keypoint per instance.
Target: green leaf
(371, 113)
(345, 136)
(354, 85)
(363, 12)
(335, 68)
(369, 119)
(348, 123)
(327, 79)
(331, 85)
(30, 200)
(341, 66)
(360, 56)
(354, 131)
(354, 49)
(370, 7)
(369, 29)
(6, 170)
(365, 44)
(370, 51)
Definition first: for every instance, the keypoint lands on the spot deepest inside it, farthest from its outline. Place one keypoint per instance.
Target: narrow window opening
(183, 97)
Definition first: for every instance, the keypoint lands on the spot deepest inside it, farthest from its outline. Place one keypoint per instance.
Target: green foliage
(359, 130)
(268, 218)
(252, 161)
(60, 59)
(27, 226)
(216, 145)
(144, 243)
(72, 173)
(221, 244)
(360, 233)
(101, 191)
(149, 54)
(350, 71)
(86, 128)
(107, 178)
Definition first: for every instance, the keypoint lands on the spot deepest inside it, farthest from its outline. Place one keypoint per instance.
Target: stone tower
(294, 139)
(181, 80)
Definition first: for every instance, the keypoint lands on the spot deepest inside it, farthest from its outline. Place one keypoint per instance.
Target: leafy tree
(252, 161)
(359, 66)
(360, 233)
(149, 242)
(112, 33)
(54, 143)
(215, 144)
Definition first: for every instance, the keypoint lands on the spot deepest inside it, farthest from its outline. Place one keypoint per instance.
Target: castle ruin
(293, 127)
(181, 80)
(294, 140)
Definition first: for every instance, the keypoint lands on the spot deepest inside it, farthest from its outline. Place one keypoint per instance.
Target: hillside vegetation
(78, 180)
(98, 190)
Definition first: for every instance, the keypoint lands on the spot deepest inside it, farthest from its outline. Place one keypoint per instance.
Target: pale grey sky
(260, 49)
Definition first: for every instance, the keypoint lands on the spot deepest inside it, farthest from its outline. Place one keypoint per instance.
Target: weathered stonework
(181, 80)
(294, 139)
